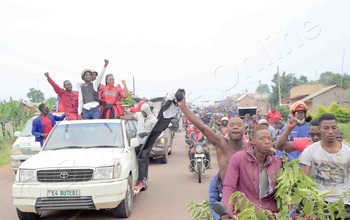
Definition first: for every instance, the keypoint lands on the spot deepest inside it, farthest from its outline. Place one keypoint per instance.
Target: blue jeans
(215, 192)
(92, 113)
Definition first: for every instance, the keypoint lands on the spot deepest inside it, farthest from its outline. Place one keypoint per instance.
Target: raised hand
(106, 63)
(292, 121)
(124, 83)
(47, 74)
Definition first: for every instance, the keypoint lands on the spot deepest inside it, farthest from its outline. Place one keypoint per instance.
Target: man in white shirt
(329, 162)
(88, 102)
(146, 121)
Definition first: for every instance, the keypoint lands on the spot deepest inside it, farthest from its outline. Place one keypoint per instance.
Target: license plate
(63, 193)
(199, 155)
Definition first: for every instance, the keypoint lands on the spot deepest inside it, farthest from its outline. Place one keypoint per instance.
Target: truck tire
(123, 210)
(27, 215)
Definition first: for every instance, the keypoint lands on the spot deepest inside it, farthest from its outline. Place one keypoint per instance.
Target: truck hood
(91, 157)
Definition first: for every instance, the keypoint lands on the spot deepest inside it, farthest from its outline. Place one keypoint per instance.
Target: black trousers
(143, 162)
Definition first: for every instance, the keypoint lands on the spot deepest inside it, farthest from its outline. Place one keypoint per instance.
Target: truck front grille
(65, 175)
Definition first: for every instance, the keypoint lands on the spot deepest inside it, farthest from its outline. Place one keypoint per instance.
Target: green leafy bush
(199, 211)
(342, 114)
(284, 112)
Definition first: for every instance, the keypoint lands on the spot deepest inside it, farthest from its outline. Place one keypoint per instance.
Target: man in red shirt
(273, 113)
(67, 96)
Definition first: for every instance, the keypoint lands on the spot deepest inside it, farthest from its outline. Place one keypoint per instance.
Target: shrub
(342, 114)
(284, 112)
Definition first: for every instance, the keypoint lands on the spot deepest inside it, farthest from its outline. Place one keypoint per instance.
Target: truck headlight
(26, 175)
(16, 150)
(117, 170)
(161, 140)
(103, 173)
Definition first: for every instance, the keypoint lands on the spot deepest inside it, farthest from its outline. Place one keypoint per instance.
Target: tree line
(288, 81)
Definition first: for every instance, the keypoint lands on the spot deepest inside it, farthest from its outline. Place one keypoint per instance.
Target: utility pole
(279, 86)
(260, 90)
(341, 78)
(133, 86)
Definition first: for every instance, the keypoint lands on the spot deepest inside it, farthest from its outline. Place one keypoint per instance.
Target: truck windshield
(27, 130)
(85, 135)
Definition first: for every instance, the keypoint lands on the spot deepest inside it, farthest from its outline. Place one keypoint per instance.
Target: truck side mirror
(134, 142)
(35, 146)
(17, 133)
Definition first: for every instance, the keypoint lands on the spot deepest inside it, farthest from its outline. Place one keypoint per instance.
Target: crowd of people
(250, 151)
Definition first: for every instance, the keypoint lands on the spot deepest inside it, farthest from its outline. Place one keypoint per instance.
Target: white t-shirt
(140, 121)
(331, 171)
(143, 125)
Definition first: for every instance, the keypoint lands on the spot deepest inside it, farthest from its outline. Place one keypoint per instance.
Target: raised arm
(127, 117)
(206, 130)
(282, 143)
(54, 85)
(99, 77)
(126, 92)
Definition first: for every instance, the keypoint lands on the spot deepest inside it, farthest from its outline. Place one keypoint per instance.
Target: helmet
(83, 73)
(298, 106)
(94, 71)
(224, 118)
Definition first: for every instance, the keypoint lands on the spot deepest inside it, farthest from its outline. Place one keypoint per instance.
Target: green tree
(12, 111)
(303, 79)
(330, 78)
(51, 102)
(287, 81)
(284, 112)
(263, 88)
(35, 95)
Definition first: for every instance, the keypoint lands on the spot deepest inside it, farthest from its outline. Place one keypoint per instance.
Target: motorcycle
(199, 163)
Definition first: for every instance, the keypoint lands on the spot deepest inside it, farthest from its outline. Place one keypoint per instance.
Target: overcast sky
(213, 49)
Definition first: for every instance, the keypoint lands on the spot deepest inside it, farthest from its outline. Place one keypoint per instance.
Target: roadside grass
(5, 153)
(345, 128)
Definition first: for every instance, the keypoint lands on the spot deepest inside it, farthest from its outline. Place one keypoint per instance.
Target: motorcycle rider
(196, 136)
(223, 125)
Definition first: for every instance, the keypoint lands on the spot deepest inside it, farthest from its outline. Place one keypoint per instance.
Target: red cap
(138, 107)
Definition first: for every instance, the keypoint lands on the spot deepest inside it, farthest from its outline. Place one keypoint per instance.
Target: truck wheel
(165, 157)
(27, 215)
(123, 210)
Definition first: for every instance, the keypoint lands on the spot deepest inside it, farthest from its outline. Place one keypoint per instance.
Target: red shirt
(272, 115)
(68, 99)
(47, 125)
(300, 144)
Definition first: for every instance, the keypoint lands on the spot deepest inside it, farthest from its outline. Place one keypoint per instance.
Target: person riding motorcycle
(196, 136)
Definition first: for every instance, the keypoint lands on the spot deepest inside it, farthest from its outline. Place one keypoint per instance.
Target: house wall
(325, 99)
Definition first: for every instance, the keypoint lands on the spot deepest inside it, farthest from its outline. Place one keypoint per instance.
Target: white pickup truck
(83, 165)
